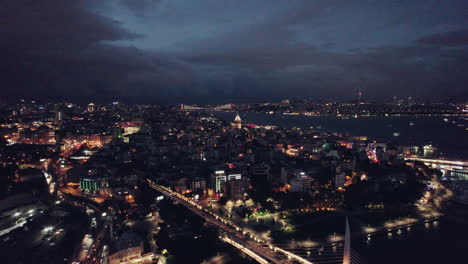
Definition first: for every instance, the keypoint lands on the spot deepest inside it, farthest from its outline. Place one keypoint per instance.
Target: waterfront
(227, 132)
(437, 241)
(450, 138)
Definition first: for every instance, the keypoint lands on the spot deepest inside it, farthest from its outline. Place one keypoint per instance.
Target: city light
(278, 193)
(47, 229)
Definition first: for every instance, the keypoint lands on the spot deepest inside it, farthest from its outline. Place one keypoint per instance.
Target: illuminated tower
(58, 114)
(359, 95)
(91, 107)
(237, 122)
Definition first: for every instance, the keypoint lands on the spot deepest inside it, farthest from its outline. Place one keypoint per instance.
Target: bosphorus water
(438, 242)
(448, 134)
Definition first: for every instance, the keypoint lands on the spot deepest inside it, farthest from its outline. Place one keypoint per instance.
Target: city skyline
(279, 182)
(233, 132)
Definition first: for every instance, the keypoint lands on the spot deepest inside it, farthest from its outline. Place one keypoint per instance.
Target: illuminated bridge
(225, 107)
(449, 168)
(257, 248)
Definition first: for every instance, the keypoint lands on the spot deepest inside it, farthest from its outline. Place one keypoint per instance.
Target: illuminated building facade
(91, 107)
(219, 177)
(301, 183)
(89, 185)
(92, 183)
(237, 124)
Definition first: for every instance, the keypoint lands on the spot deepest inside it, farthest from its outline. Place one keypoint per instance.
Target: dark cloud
(140, 7)
(56, 48)
(303, 48)
(49, 25)
(303, 70)
(452, 38)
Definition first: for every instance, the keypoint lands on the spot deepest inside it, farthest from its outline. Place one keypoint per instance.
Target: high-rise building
(198, 183)
(261, 171)
(301, 183)
(235, 188)
(340, 180)
(234, 177)
(58, 116)
(217, 179)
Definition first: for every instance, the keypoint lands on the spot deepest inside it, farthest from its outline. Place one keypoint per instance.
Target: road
(91, 250)
(257, 248)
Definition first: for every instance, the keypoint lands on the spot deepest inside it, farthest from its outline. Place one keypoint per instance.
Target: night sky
(233, 48)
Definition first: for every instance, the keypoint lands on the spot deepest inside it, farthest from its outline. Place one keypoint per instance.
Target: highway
(92, 251)
(95, 247)
(252, 246)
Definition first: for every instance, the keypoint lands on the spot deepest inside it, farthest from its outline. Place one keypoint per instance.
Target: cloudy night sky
(233, 48)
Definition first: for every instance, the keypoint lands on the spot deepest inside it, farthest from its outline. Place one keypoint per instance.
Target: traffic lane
(258, 249)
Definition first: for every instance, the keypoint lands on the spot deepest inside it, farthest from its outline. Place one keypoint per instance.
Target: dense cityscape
(117, 183)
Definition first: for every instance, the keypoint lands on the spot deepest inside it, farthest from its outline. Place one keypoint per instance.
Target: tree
(222, 201)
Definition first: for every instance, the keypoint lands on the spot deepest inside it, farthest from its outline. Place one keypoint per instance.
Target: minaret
(237, 122)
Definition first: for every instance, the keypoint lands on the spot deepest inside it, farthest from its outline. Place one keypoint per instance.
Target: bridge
(449, 168)
(257, 248)
(225, 107)
(254, 247)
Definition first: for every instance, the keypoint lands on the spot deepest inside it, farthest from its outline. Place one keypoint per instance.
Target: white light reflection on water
(427, 225)
(389, 234)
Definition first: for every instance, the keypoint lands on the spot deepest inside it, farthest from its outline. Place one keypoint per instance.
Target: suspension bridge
(225, 107)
